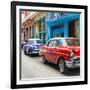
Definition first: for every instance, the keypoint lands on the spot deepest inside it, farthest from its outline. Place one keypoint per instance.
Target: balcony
(55, 16)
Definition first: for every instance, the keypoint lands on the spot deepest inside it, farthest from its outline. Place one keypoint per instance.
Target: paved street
(33, 67)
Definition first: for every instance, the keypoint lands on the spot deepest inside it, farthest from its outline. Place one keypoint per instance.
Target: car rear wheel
(27, 51)
(62, 67)
(30, 53)
(44, 60)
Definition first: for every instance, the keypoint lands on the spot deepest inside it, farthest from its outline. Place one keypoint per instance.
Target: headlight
(72, 54)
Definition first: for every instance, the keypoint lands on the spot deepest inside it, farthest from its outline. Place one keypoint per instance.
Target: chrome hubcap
(61, 66)
(43, 59)
(27, 51)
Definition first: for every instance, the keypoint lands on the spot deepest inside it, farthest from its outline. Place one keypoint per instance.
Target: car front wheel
(62, 67)
(25, 52)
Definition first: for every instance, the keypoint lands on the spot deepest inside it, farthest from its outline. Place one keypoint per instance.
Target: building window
(62, 35)
(40, 35)
(73, 28)
(44, 38)
(57, 26)
(40, 26)
(24, 36)
(52, 15)
(30, 32)
(43, 24)
(26, 32)
(60, 14)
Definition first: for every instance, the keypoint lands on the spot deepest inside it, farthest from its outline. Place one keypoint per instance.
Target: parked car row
(32, 46)
(64, 52)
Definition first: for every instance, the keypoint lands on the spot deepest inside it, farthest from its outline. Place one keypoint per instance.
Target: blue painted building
(63, 25)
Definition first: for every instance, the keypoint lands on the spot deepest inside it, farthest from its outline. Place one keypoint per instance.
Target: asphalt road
(33, 67)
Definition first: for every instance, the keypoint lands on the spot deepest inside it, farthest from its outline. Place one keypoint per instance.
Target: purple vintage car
(32, 46)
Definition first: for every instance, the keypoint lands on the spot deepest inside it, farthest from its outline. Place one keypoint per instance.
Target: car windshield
(71, 42)
(38, 41)
(31, 42)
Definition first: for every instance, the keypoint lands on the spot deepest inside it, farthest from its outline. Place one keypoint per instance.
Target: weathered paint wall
(65, 21)
(37, 29)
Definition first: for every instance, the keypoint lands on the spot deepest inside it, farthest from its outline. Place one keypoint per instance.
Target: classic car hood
(31, 45)
(74, 48)
(71, 48)
(37, 45)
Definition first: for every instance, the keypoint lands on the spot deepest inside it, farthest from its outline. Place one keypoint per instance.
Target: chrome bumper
(35, 51)
(73, 63)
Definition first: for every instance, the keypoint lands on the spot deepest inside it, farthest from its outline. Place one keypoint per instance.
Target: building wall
(51, 26)
(63, 23)
(36, 22)
(27, 29)
(39, 27)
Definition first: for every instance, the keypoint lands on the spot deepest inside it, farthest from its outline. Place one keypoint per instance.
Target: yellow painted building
(34, 26)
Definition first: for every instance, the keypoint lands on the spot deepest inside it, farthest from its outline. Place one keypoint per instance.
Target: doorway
(73, 28)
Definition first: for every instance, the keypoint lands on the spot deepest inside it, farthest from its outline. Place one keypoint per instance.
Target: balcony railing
(55, 16)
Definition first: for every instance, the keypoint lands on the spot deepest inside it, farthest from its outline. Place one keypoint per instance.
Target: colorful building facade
(39, 26)
(63, 25)
(46, 25)
(27, 30)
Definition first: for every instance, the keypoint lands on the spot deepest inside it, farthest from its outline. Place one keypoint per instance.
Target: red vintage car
(65, 52)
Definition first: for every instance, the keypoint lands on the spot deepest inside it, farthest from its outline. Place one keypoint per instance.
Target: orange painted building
(34, 26)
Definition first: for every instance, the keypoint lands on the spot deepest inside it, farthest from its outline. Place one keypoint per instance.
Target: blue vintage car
(32, 46)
